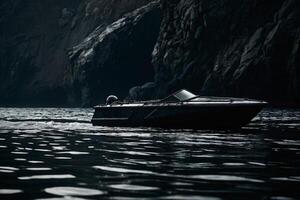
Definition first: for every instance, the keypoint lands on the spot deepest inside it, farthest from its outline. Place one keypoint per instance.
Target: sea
(56, 153)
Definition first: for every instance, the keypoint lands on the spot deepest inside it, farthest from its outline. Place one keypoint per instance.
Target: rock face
(76, 52)
(223, 47)
(114, 58)
(35, 37)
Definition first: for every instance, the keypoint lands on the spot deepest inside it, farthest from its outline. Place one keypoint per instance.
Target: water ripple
(224, 178)
(38, 169)
(60, 176)
(73, 152)
(133, 187)
(122, 170)
(181, 197)
(56, 156)
(10, 191)
(73, 191)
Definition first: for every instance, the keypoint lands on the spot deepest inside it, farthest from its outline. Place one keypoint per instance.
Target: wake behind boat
(182, 109)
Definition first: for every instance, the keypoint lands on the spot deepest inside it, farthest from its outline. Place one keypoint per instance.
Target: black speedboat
(179, 110)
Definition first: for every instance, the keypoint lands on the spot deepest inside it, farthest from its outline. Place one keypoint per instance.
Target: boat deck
(195, 101)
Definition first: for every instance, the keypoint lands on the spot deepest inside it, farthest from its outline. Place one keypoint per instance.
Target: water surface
(50, 153)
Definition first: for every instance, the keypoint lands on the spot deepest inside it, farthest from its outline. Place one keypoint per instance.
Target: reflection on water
(73, 191)
(9, 191)
(48, 153)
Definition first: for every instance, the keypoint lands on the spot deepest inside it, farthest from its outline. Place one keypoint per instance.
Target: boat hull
(230, 116)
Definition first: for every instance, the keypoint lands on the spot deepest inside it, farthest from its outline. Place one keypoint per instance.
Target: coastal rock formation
(35, 37)
(116, 57)
(76, 52)
(229, 48)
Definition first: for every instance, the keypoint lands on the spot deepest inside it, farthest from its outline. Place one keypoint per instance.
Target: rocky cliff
(114, 58)
(35, 37)
(76, 52)
(230, 48)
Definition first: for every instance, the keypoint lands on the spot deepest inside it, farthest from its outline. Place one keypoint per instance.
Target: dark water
(57, 154)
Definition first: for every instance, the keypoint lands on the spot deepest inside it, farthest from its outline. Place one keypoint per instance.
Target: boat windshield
(181, 95)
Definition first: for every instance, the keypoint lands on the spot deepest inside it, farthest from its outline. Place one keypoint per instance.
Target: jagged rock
(216, 47)
(34, 39)
(238, 48)
(143, 92)
(114, 58)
